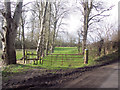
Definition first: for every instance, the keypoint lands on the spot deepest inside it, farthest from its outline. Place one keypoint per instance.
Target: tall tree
(93, 12)
(79, 42)
(23, 22)
(42, 27)
(49, 29)
(10, 31)
(59, 11)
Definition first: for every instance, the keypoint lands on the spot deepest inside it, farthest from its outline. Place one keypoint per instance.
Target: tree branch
(17, 14)
(62, 14)
(98, 20)
(26, 4)
(100, 14)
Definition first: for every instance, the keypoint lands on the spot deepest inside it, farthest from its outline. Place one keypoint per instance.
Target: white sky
(74, 18)
(114, 11)
(73, 21)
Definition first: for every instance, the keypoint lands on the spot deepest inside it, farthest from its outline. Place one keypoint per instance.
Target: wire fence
(55, 59)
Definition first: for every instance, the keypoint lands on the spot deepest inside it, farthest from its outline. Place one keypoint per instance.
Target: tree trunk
(9, 52)
(47, 42)
(79, 45)
(85, 33)
(87, 11)
(39, 46)
(43, 46)
(53, 38)
(84, 43)
(23, 41)
(9, 34)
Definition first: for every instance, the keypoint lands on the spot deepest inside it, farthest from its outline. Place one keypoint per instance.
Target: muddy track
(48, 79)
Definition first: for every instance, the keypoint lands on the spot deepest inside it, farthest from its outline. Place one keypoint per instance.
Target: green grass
(65, 50)
(19, 53)
(56, 62)
(16, 68)
(61, 61)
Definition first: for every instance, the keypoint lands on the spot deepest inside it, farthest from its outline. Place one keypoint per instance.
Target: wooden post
(86, 56)
(28, 57)
(25, 57)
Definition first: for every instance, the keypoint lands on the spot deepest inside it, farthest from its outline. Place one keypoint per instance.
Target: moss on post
(86, 56)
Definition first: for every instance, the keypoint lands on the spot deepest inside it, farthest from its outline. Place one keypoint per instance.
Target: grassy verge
(107, 58)
(57, 64)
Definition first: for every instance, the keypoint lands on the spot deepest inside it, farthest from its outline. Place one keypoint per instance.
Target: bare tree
(59, 12)
(10, 29)
(49, 30)
(103, 35)
(90, 18)
(23, 23)
(42, 27)
(79, 40)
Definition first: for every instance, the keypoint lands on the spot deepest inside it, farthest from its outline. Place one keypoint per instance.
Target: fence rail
(65, 54)
(54, 58)
(63, 58)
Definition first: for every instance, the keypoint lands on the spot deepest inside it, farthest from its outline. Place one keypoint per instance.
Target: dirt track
(89, 77)
(103, 77)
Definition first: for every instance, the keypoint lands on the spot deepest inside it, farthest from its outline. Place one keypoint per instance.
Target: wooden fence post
(86, 56)
(25, 60)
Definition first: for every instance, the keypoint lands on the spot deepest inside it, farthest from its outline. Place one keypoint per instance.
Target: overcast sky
(74, 18)
(74, 22)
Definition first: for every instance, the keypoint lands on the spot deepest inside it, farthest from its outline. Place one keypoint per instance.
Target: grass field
(65, 50)
(58, 50)
(60, 61)
(57, 61)
(64, 61)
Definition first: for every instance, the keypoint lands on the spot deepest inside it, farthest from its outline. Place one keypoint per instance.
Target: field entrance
(67, 60)
(62, 57)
